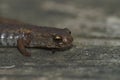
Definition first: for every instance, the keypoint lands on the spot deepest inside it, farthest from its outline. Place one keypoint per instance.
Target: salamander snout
(67, 40)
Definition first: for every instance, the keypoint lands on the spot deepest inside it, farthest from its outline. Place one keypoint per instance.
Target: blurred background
(93, 18)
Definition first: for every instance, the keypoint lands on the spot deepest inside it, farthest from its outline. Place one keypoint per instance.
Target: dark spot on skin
(67, 30)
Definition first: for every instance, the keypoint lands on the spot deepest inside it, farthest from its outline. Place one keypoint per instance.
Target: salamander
(25, 36)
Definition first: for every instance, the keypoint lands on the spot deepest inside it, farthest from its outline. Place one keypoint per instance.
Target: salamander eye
(58, 38)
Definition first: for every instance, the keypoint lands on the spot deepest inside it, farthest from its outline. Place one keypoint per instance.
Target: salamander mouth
(64, 47)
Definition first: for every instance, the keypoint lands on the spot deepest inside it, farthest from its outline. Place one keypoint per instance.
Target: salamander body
(25, 35)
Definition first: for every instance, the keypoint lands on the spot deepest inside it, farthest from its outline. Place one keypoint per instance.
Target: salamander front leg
(21, 46)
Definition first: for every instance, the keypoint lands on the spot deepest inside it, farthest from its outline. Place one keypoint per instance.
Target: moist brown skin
(38, 37)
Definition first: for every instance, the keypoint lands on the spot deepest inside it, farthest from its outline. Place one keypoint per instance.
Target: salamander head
(53, 38)
(63, 39)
